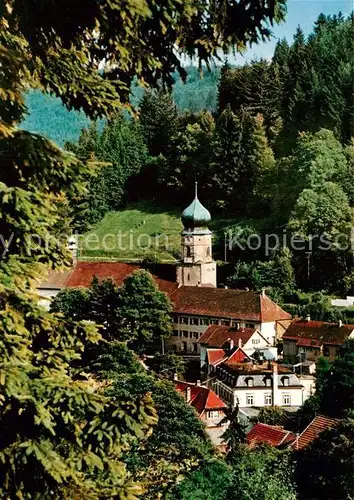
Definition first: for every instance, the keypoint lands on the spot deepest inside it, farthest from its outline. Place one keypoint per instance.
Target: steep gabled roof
(317, 333)
(319, 424)
(270, 434)
(214, 356)
(202, 398)
(238, 356)
(216, 335)
(227, 303)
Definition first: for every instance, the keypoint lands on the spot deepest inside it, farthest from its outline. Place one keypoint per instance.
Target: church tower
(197, 266)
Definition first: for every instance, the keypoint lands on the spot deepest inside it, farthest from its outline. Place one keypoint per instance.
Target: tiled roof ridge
(313, 423)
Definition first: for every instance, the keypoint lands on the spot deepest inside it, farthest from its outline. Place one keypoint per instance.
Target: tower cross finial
(196, 189)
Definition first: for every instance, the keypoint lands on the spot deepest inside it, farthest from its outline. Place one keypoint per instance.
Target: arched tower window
(208, 252)
(188, 252)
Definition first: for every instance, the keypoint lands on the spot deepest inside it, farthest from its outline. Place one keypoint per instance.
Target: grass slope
(143, 229)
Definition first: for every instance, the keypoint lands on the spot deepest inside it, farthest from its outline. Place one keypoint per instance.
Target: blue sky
(300, 12)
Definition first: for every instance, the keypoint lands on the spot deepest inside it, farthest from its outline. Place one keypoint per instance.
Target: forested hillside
(48, 116)
(276, 155)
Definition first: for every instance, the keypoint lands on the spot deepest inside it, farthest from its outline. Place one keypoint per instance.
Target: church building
(197, 302)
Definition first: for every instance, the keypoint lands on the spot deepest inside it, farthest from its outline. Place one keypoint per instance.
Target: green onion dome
(195, 215)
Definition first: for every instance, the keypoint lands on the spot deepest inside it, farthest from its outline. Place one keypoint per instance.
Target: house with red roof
(269, 434)
(318, 425)
(218, 342)
(209, 407)
(308, 340)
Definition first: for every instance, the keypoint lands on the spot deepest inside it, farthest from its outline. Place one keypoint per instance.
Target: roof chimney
(232, 344)
(308, 318)
(240, 343)
(263, 293)
(275, 384)
(340, 323)
(188, 394)
(175, 376)
(198, 383)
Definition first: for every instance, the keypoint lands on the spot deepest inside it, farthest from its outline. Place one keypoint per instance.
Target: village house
(209, 407)
(197, 303)
(273, 435)
(218, 341)
(247, 384)
(308, 340)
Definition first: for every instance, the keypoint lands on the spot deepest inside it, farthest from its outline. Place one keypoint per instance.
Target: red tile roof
(216, 335)
(214, 356)
(226, 303)
(238, 356)
(270, 434)
(319, 424)
(205, 301)
(317, 333)
(202, 398)
(84, 272)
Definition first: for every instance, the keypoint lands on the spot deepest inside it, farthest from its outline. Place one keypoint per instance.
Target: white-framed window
(185, 334)
(286, 400)
(214, 322)
(175, 333)
(268, 382)
(184, 320)
(286, 381)
(225, 322)
(204, 321)
(234, 324)
(256, 341)
(194, 321)
(249, 325)
(267, 400)
(249, 399)
(195, 335)
(212, 414)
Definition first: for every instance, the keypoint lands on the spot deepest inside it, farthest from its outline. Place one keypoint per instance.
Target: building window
(175, 333)
(188, 276)
(184, 346)
(194, 321)
(286, 400)
(286, 381)
(234, 324)
(256, 341)
(208, 252)
(214, 321)
(188, 251)
(195, 335)
(249, 399)
(184, 320)
(212, 414)
(184, 333)
(249, 382)
(175, 318)
(204, 321)
(249, 325)
(195, 348)
(326, 351)
(268, 382)
(225, 322)
(267, 400)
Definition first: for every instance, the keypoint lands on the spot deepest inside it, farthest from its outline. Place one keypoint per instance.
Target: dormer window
(286, 381)
(249, 381)
(268, 382)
